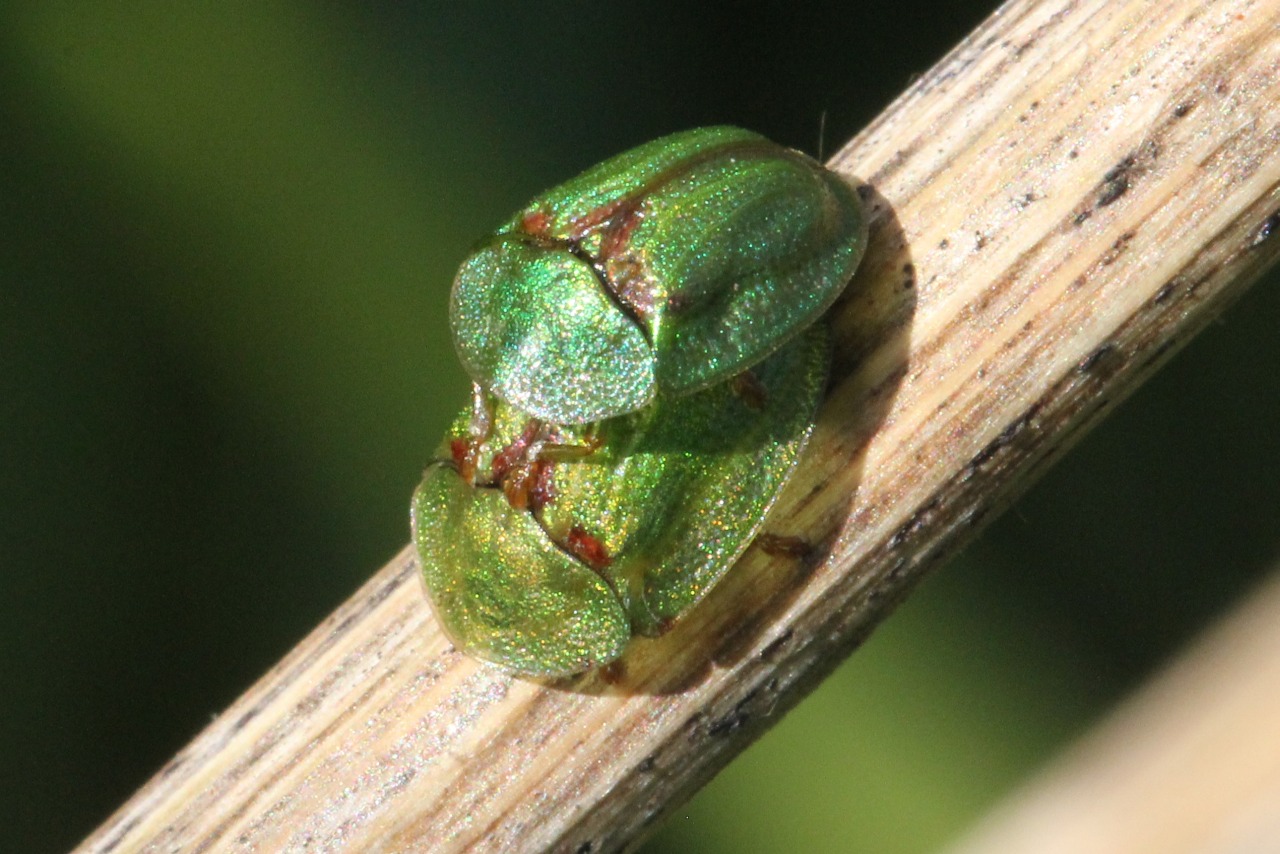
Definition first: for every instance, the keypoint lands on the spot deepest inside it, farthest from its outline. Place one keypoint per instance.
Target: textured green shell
(662, 271)
(670, 496)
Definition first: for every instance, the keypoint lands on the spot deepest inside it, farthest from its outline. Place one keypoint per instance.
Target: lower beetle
(546, 547)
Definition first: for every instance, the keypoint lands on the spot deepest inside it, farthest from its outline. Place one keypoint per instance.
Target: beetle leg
(465, 451)
(529, 486)
(587, 548)
(564, 452)
(524, 471)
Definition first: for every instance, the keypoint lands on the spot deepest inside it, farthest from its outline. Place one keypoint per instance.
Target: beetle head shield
(533, 325)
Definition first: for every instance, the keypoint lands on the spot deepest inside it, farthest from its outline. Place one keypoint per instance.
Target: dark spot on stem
(1114, 185)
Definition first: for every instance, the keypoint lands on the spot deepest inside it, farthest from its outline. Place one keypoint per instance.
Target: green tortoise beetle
(545, 548)
(661, 271)
(647, 366)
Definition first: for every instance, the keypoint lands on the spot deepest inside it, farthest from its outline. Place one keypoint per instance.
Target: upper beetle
(669, 268)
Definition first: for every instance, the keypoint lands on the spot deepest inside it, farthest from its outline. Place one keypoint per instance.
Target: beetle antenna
(481, 417)
(822, 133)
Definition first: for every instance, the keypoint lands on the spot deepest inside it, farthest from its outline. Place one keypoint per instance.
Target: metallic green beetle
(662, 271)
(546, 547)
(647, 367)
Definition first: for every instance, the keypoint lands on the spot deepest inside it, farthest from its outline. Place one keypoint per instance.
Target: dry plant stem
(1191, 764)
(1056, 206)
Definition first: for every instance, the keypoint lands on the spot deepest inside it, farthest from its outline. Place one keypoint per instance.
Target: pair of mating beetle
(647, 364)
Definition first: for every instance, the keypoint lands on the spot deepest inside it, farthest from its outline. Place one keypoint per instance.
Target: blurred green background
(226, 237)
